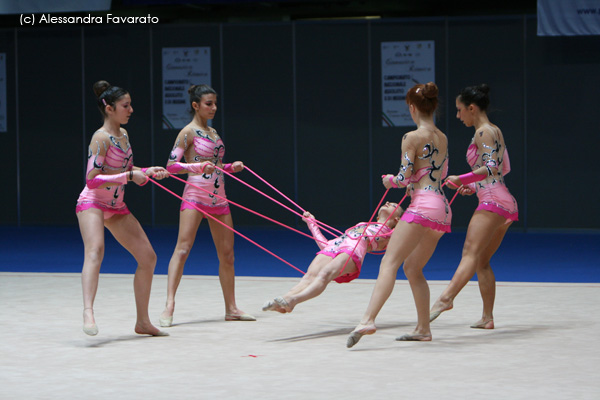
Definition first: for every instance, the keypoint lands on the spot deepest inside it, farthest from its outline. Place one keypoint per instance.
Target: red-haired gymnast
(424, 164)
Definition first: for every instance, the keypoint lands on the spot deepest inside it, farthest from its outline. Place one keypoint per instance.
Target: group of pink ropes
(326, 228)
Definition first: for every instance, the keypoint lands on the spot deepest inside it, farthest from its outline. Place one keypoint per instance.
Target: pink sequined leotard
(428, 206)
(375, 238)
(109, 157)
(492, 193)
(198, 146)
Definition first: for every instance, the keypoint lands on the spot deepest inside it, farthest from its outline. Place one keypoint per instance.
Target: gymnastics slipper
(270, 306)
(165, 322)
(355, 336)
(281, 302)
(353, 339)
(434, 315)
(489, 324)
(91, 330)
(242, 317)
(414, 338)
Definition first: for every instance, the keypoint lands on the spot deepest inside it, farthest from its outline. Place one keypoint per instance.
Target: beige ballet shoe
(270, 306)
(489, 324)
(165, 322)
(434, 315)
(91, 330)
(241, 317)
(414, 337)
(355, 336)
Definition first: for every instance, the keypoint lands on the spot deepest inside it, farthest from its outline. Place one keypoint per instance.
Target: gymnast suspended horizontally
(340, 259)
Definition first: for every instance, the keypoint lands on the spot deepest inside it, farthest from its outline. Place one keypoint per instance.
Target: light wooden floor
(545, 345)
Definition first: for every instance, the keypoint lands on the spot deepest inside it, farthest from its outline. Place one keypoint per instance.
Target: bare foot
(438, 308)
(358, 333)
(147, 328)
(484, 323)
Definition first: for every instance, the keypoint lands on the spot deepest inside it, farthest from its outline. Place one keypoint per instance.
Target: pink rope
(273, 187)
(371, 219)
(246, 209)
(225, 225)
(444, 184)
(455, 194)
(325, 227)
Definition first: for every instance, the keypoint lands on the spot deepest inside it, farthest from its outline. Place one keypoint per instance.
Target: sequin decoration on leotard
(213, 150)
(429, 206)
(492, 193)
(117, 159)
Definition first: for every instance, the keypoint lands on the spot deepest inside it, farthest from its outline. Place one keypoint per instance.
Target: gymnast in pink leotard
(487, 153)
(340, 259)
(110, 167)
(110, 159)
(202, 149)
(488, 158)
(424, 162)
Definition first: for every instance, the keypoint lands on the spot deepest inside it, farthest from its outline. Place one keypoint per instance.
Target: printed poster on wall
(568, 17)
(3, 99)
(181, 68)
(403, 64)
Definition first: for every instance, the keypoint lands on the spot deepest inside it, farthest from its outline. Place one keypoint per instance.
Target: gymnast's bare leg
(484, 235)
(223, 239)
(404, 240)
(320, 273)
(91, 224)
(129, 233)
(413, 269)
(189, 221)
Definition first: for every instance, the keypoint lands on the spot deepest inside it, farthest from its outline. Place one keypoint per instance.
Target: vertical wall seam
(447, 68)
(370, 112)
(152, 121)
(525, 204)
(222, 72)
(83, 141)
(17, 128)
(295, 116)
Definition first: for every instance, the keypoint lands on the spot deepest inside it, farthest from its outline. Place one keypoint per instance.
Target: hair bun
(430, 90)
(100, 87)
(484, 88)
(192, 88)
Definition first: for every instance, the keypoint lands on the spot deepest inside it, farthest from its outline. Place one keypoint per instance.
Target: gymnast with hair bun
(100, 204)
(497, 210)
(203, 149)
(424, 163)
(340, 259)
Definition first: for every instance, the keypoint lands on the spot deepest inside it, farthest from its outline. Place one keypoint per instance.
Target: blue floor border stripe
(522, 257)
